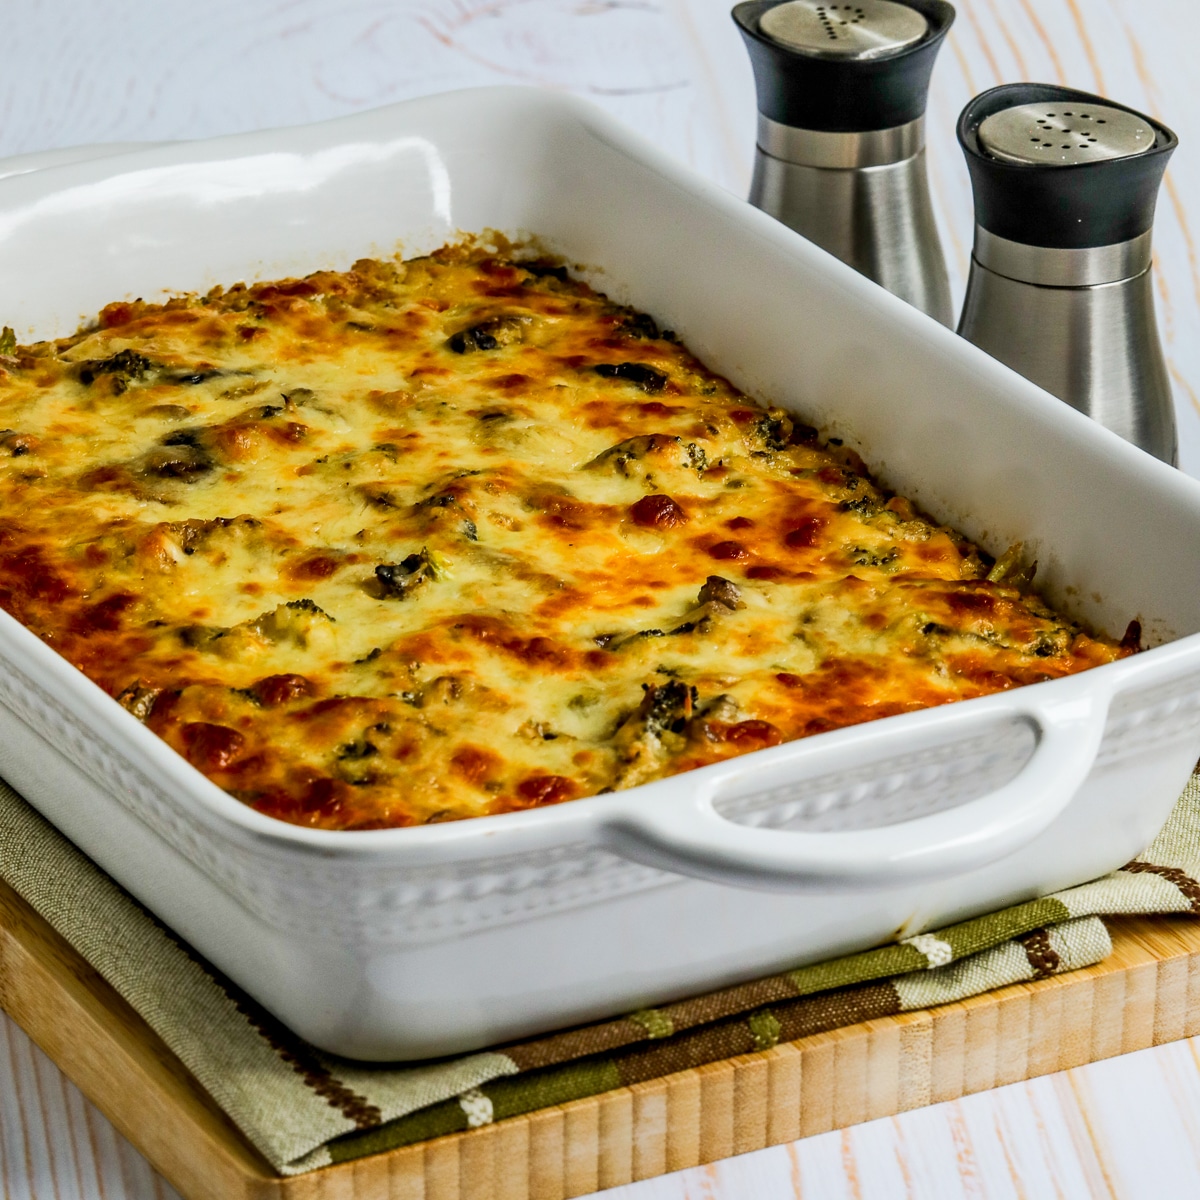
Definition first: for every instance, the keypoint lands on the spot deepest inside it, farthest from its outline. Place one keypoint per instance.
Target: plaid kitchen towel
(304, 1109)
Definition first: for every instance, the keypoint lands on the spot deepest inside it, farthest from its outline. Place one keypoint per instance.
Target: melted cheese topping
(426, 540)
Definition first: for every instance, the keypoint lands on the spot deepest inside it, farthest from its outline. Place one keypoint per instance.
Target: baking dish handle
(681, 830)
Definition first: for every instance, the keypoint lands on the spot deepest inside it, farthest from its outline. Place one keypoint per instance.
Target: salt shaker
(841, 133)
(1061, 286)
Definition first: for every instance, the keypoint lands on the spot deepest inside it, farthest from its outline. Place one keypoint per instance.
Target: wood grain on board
(1146, 993)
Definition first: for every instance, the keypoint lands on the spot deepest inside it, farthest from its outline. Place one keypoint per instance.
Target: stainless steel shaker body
(841, 134)
(1093, 343)
(1061, 285)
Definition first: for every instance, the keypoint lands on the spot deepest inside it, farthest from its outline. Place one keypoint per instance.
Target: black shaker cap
(842, 95)
(1072, 206)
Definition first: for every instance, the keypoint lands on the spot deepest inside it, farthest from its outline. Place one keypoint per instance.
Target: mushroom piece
(489, 335)
(717, 590)
(400, 580)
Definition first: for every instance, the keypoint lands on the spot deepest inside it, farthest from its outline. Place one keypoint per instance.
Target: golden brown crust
(421, 541)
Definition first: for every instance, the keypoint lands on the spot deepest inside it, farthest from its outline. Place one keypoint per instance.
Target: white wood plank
(54, 1145)
(142, 69)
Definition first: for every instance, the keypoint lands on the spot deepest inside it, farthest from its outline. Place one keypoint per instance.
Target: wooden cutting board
(1145, 993)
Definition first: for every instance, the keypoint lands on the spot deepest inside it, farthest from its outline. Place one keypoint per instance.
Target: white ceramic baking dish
(409, 943)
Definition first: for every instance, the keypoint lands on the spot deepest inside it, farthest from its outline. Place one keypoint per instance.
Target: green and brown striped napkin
(304, 1109)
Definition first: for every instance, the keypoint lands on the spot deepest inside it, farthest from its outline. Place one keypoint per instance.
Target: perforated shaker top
(1105, 161)
(1063, 133)
(863, 30)
(845, 67)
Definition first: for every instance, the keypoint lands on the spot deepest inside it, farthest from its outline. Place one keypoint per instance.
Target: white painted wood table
(135, 70)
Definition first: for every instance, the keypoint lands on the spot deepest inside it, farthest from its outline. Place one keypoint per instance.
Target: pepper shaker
(840, 158)
(1060, 288)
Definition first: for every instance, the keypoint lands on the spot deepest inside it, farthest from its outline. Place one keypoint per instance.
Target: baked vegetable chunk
(432, 539)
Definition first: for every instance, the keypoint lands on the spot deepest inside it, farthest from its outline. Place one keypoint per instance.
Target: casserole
(416, 942)
(436, 539)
